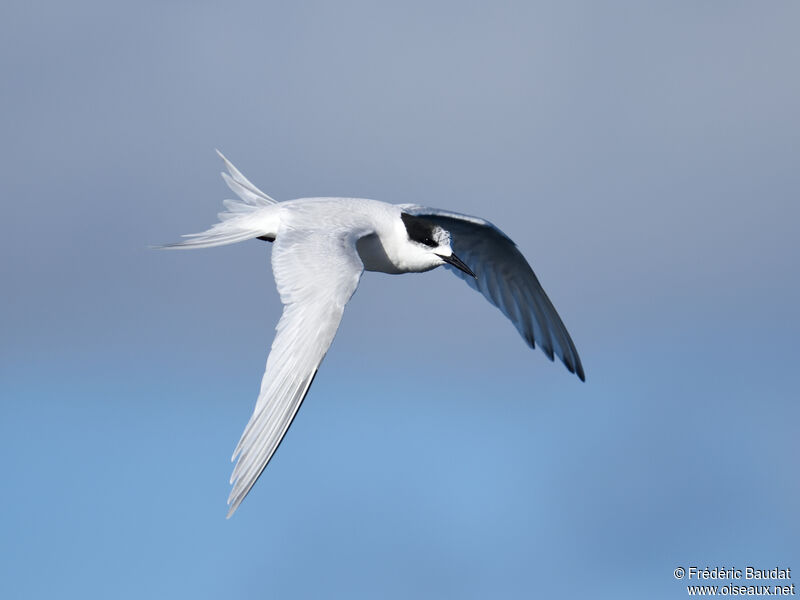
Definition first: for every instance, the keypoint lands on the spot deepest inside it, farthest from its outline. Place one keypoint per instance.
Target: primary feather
(506, 279)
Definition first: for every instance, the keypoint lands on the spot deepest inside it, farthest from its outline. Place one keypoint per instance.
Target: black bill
(458, 264)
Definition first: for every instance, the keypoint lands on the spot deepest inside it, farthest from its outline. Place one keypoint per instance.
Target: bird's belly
(374, 256)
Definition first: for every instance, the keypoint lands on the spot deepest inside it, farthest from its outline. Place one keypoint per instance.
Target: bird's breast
(374, 256)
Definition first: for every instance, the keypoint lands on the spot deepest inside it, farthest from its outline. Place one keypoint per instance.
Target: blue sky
(642, 155)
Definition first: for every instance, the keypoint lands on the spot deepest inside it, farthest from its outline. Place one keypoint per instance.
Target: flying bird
(321, 246)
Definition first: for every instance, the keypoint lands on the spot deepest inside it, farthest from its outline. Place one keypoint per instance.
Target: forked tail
(244, 219)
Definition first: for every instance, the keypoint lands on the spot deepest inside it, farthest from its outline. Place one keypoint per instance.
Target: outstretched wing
(316, 273)
(506, 279)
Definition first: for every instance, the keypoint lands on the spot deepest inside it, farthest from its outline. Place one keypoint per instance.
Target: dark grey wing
(506, 279)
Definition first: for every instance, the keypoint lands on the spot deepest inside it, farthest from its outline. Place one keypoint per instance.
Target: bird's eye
(420, 230)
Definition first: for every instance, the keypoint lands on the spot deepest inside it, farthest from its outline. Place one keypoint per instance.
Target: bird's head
(428, 245)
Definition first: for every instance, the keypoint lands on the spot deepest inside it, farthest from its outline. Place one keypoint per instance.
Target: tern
(321, 247)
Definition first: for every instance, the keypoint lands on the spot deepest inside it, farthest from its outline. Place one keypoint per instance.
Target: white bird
(321, 248)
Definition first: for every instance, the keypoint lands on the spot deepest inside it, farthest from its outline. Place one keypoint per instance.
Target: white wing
(316, 273)
(506, 279)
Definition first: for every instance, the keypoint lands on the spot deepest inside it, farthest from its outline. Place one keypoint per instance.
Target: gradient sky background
(644, 156)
